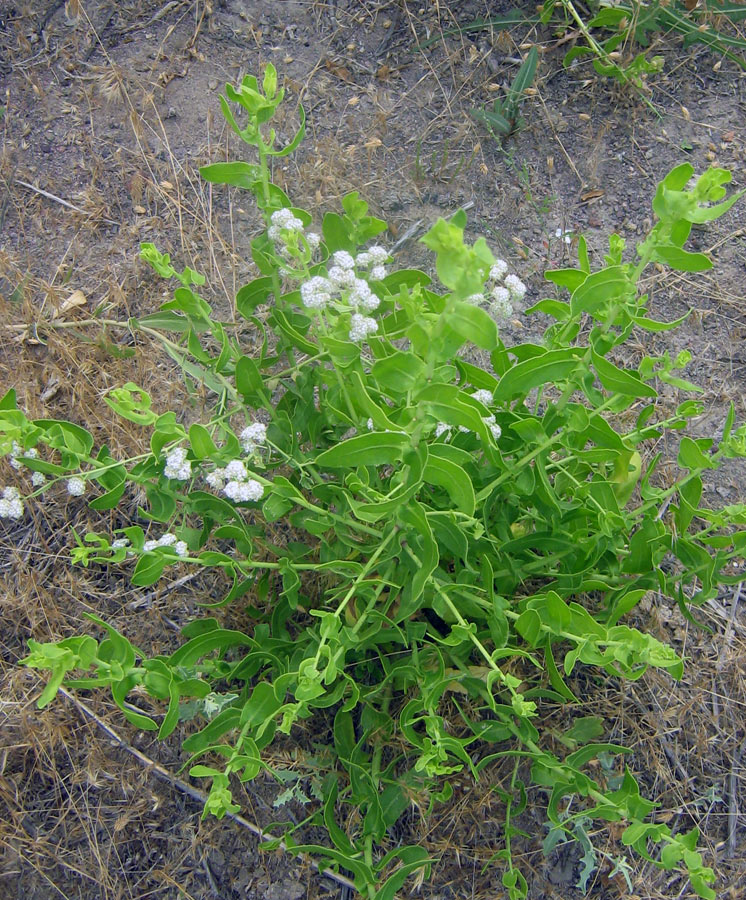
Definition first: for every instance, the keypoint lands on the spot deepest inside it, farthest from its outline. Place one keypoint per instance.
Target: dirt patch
(110, 109)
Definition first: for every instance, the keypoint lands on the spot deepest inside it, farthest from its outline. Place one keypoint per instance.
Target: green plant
(459, 532)
(505, 116)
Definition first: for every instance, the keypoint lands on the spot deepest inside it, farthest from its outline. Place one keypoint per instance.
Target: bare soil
(109, 110)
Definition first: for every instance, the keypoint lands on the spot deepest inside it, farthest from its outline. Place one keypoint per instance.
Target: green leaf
(239, 174)
(373, 449)
(450, 476)
(682, 260)
(473, 324)
(620, 381)
(399, 372)
(551, 367)
(202, 443)
(692, 457)
(253, 294)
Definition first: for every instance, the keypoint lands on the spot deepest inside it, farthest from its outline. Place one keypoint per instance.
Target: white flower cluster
(17, 450)
(361, 327)
(11, 505)
(177, 465)
(235, 482)
(253, 436)
(75, 486)
(37, 478)
(502, 291)
(284, 228)
(344, 285)
(166, 540)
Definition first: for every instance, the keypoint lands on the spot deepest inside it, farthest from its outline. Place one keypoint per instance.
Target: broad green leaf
(620, 381)
(373, 449)
(202, 443)
(473, 324)
(682, 260)
(399, 372)
(551, 367)
(238, 174)
(450, 476)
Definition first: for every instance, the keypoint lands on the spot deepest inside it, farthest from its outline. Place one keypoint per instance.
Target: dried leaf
(77, 298)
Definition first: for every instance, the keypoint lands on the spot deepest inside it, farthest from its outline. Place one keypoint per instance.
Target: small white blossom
(361, 327)
(119, 543)
(177, 465)
(343, 259)
(14, 462)
(476, 299)
(38, 479)
(316, 292)
(313, 239)
(252, 435)
(181, 548)
(498, 270)
(378, 273)
(378, 254)
(566, 236)
(167, 540)
(150, 545)
(342, 277)
(484, 396)
(490, 422)
(463, 429)
(243, 491)
(363, 260)
(370, 424)
(273, 233)
(236, 471)
(501, 307)
(76, 486)
(442, 428)
(284, 218)
(216, 479)
(11, 505)
(515, 286)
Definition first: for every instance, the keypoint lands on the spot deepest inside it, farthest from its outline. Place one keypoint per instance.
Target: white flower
(363, 260)
(181, 548)
(313, 239)
(361, 327)
(515, 286)
(316, 292)
(498, 270)
(442, 428)
(565, 235)
(119, 543)
(361, 295)
(236, 471)
(284, 218)
(378, 273)
(273, 233)
(11, 505)
(493, 426)
(243, 491)
(378, 254)
(216, 479)
(177, 465)
(501, 307)
(167, 540)
(253, 434)
(150, 545)
(370, 424)
(342, 277)
(484, 396)
(343, 259)
(76, 486)
(38, 479)
(463, 429)
(476, 299)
